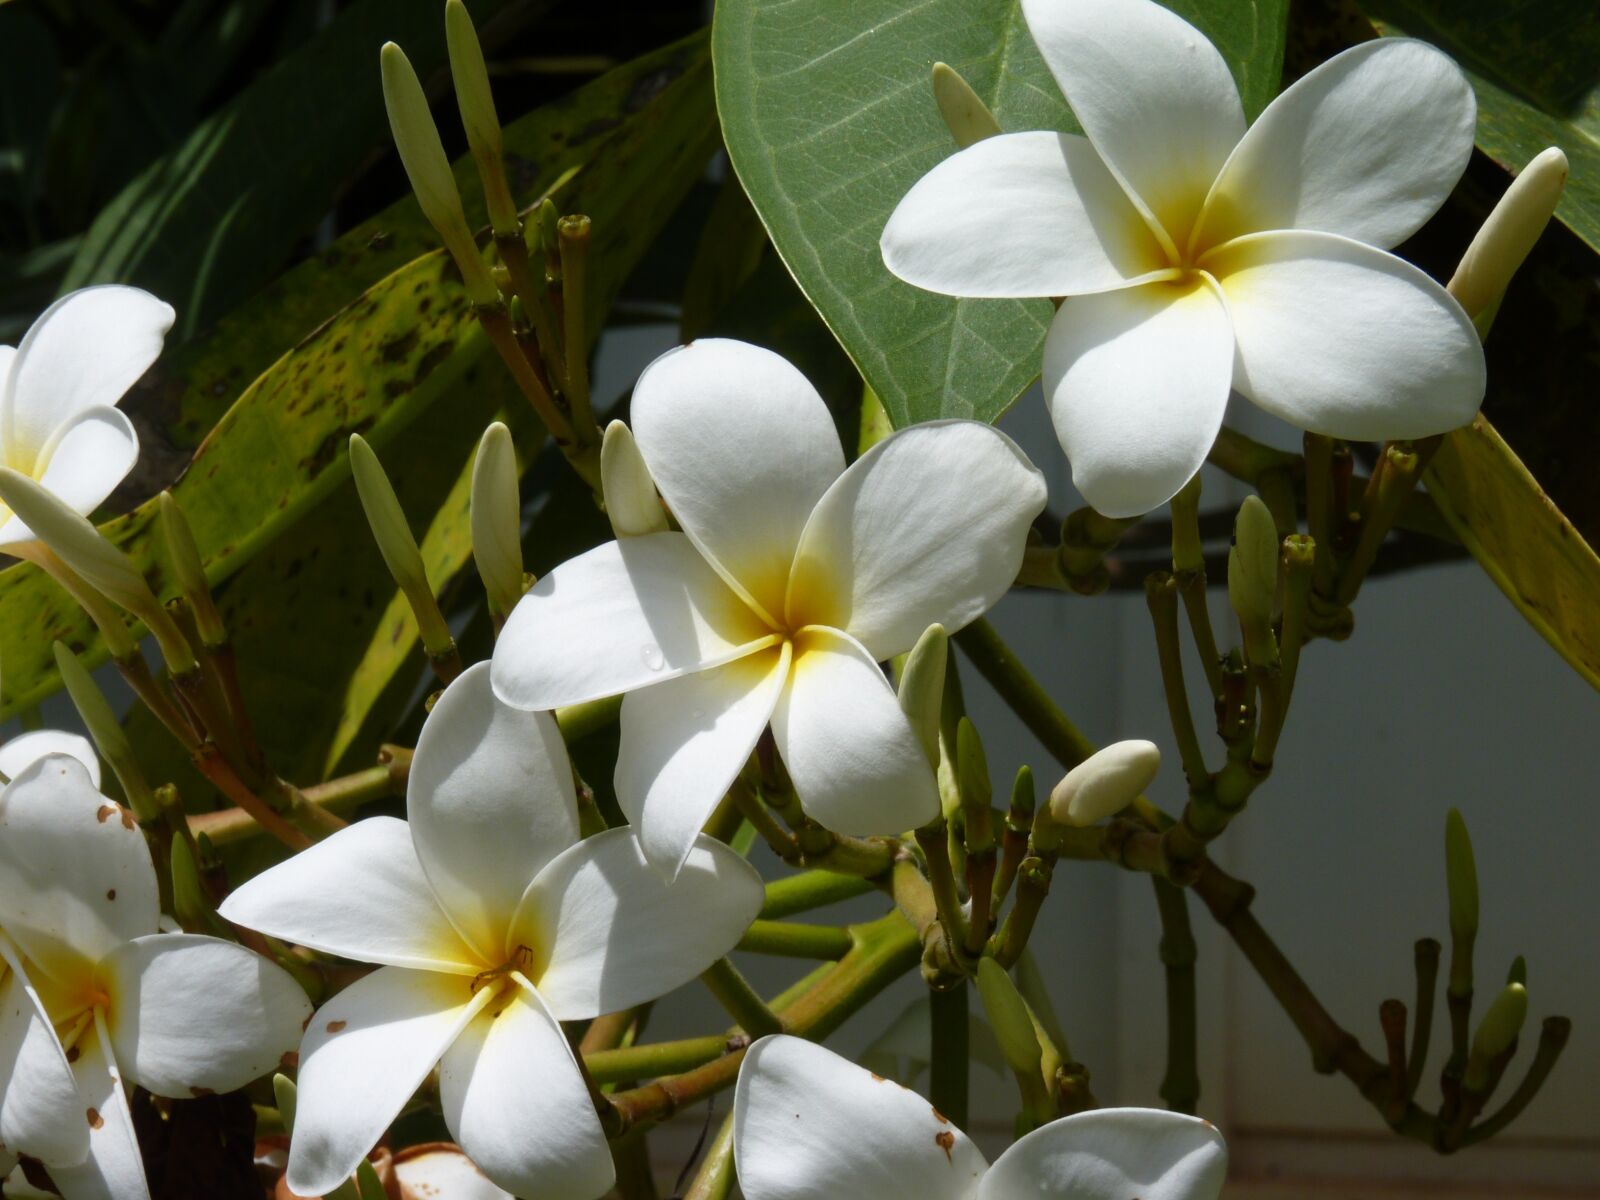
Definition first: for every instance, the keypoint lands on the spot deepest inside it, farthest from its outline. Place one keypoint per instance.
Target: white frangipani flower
(94, 1000)
(792, 579)
(1197, 255)
(809, 1125)
(490, 922)
(58, 393)
(18, 752)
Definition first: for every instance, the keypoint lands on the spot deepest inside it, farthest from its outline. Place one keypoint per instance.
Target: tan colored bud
(632, 503)
(922, 688)
(1505, 240)
(967, 117)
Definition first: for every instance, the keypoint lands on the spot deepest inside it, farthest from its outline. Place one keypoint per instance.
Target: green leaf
(1533, 68)
(206, 224)
(379, 364)
(829, 118)
(1521, 540)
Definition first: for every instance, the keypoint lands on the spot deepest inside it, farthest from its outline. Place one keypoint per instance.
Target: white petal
(25, 748)
(440, 1171)
(1367, 145)
(1020, 214)
(1113, 1154)
(75, 873)
(1137, 384)
(366, 1051)
(622, 616)
(85, 350)
(1154, 96)
(684, 741)
(856, 763)
(114, 1169)
(41, 1112)
(741, 446)
(608, 932)
(929, 525)
(516, 1103)
(1342, 339)
(490, 801)
(809, 1125)
(88, 458)
(190, 1014)
(361, 894)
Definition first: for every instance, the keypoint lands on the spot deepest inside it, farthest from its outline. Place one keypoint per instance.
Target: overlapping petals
(59, 389)
(1285, 224)
(809, 1125)
(792, 579)
(492, 921)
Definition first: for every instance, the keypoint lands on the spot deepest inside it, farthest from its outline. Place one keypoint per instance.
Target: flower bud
(285, 1094)
(1518, 972)
(1508, 236)
(1461, 879)
(190, 903)
(476, 101)
(972, 767)
(107, 733)
(184, 557)
(1105, 783)
(1253, 578)
(87, 551)
(1009, 1017)
(497, 520)
(967, 117)
(421, 153)
(1499, 1028)
(399, 549)
(630, 494)
(922, 687)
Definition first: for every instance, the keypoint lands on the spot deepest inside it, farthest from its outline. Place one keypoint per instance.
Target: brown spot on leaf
(946, 1141)
(95, 1119)
(336, 1026)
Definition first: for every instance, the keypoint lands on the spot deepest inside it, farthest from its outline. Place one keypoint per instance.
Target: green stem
(654, 1059)
(947, 1053)
(1180, 1087)
(714, 1179)
(807, 890)
(1160, 592)
(740, 1000)
(934, 840)
(795, 940)
(1427, 968)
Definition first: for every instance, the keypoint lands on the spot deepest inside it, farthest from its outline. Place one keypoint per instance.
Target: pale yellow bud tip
(497, 519)
(967, 117)
(630, 492)
(1508, 236)
(1105, 783)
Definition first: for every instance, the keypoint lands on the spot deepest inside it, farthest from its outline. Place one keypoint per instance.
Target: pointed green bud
(496, 517)
(1518, 972)
(190, 903)
(1105, 783)
(184, 557)
(1508, 236)
(972, 767)
(967, 117)
(89, 553)
(1020, 814)
(1461, 876)
(421, 153)
(398, 547)
(107, 733)
(1253, 578)
(632, 502)
(922, 688)
(1009, 1017)
(476, 101)
(550, 237)
(1496, 1032)
(285, 1094)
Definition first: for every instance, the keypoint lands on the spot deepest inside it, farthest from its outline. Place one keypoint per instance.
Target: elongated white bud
(1253, 578)
(397, 545)
(497, 520)
(967, 117)
(478, 117)
(631, 499)
(421, 153)
(1105, 783)
(1505, 240)
(922, 688)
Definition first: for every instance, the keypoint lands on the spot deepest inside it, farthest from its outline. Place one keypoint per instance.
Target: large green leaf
(206, 224)
(1522, 540)
(1534, 68)
(376, 365)
(829, 120)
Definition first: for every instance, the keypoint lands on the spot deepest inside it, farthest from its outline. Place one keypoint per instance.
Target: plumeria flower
(792, 579)
(809, 1125)
(490, 922)
(1197, 255)
(58, 393)
(18, 752)
(94, 1000)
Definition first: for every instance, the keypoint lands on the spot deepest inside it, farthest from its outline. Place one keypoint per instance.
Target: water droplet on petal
(653, 658)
